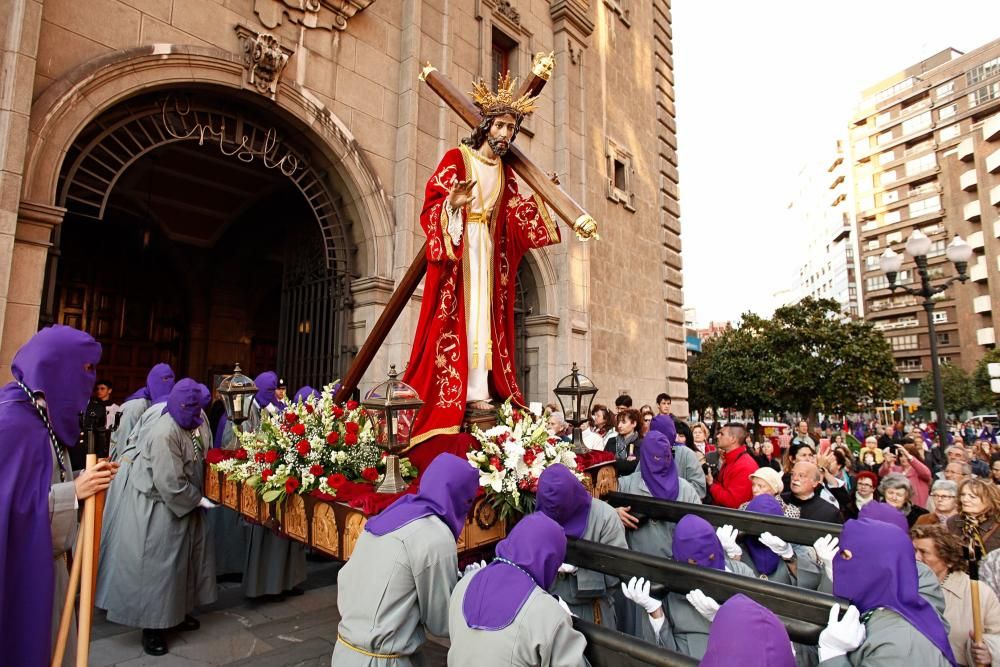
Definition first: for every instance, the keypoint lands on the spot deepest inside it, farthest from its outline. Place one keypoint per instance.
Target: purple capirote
(876, 568)
(185, 403)
(267, 384)
(696, 543)
(159, 382)
(528, 557)
(447, 489)
(747, 634)
(764, 560)
(657, 467)
(562, 498)
(885, 513)
(664, 424)
(58, 361)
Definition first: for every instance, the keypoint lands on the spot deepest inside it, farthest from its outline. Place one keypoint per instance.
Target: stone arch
(546, 280)
(66, 107)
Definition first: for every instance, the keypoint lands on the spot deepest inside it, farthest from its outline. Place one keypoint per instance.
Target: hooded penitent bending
(54, 373)
(478, 228)
(159, 382)
(747, 634)
(397, 584)
(503, 616)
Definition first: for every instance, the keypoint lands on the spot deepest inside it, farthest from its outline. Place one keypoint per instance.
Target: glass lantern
(575, 393)
(392, 408)
(237, 391)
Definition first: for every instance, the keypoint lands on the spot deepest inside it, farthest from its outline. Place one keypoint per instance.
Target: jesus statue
(478, 228)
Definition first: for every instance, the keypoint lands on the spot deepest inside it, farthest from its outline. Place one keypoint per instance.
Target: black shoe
(293, 592)
(189, 624)
(153, 642)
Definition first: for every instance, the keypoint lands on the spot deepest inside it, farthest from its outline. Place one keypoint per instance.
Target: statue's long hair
(482, 131)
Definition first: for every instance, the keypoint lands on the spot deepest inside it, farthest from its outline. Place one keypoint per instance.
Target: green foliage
(804, 359)
(981, 382)
(957, 387)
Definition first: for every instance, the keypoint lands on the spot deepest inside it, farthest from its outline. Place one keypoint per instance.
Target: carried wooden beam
(562, 203)
(803, 612)
(607, 648)
(796, 531)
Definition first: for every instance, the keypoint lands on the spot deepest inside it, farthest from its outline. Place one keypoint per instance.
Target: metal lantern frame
(237, 391)
(571, 392)
(382, 405)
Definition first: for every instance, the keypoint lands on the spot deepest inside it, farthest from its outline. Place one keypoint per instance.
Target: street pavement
(297, 631)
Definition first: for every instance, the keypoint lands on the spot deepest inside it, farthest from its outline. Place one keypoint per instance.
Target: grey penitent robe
(160, 565)
(393, 589)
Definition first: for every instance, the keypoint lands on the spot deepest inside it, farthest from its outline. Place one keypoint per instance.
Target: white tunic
(478, 259)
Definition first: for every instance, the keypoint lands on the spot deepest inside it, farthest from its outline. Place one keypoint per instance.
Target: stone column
(31, 242)
(22, 21)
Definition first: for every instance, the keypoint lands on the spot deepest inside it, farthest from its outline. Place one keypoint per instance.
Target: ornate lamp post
(237, 391)
(575, 393)
(392, 408)
(917, 246)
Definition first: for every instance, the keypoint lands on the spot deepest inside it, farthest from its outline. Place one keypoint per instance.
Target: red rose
(271, 456)
(336, 480)
(291, 417)
(299, 429)
(316, 470)
(351, 439)
(351, 427)
(291, 484)
(258, 457)
(352, 405)
(495, 462)
(309, 408)
(332, 437)
(371, 474)
(241, 454)
(529, 457)
(265, 475)
(303, 447)
(579, 466)
(337, 411)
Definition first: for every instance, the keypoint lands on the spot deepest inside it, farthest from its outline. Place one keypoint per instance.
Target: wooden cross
(565, 207)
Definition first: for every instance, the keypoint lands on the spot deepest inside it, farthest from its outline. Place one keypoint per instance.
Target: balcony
(995, 196)
(993, 162)
(975, 240)
(982, 304)
(971, 211)
(968, 180)
(986, 336)
(977, 272)
(966, 149)
(991, 128)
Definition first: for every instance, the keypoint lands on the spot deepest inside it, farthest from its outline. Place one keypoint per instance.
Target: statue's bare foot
(481, 405)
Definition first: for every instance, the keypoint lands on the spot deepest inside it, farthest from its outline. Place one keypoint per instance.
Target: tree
(699, 391)
(957, 387)
(981, 382)
(821, 362)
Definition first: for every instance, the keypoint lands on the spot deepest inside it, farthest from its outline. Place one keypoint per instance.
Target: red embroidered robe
(439, 364)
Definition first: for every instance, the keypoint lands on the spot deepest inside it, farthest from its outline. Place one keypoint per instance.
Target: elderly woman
(942, 553)
(767, 481)
(979, 508)
(904, 461)
(895, 489)
(944, 499)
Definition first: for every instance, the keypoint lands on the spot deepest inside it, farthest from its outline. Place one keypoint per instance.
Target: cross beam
(607, 648)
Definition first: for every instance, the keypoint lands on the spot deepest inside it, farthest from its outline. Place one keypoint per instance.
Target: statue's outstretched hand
(460, 194)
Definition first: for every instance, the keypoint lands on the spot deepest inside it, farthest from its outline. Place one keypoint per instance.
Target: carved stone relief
(323, 14)
(263, 60)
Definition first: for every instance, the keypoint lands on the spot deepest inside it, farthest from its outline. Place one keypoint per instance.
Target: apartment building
(925, 154)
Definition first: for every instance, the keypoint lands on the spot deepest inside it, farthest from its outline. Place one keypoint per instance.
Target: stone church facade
(205, 181)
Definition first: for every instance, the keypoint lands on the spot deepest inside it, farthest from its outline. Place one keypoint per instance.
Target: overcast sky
(765, 88)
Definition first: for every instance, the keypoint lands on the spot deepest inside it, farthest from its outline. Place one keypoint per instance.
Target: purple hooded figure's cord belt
(52, 436)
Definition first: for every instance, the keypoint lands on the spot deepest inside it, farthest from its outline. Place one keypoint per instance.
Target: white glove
(472, 567)
(562, 603)
(727, 535)
(637, 590)
(454, 223)
(827, 548)
(703, 604)
(777, 545)
(566, 568)
(841, 637)
(206, 503)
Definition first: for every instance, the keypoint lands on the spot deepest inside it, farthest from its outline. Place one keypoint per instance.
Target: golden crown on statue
(502, 101)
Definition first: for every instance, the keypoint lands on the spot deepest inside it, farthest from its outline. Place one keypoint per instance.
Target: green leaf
(272, 495)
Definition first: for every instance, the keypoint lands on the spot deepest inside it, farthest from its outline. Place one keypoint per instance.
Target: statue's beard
(498, 146)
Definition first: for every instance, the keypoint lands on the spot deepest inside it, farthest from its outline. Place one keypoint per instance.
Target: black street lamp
(917, 246)
(237, 391)
(575, 393)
